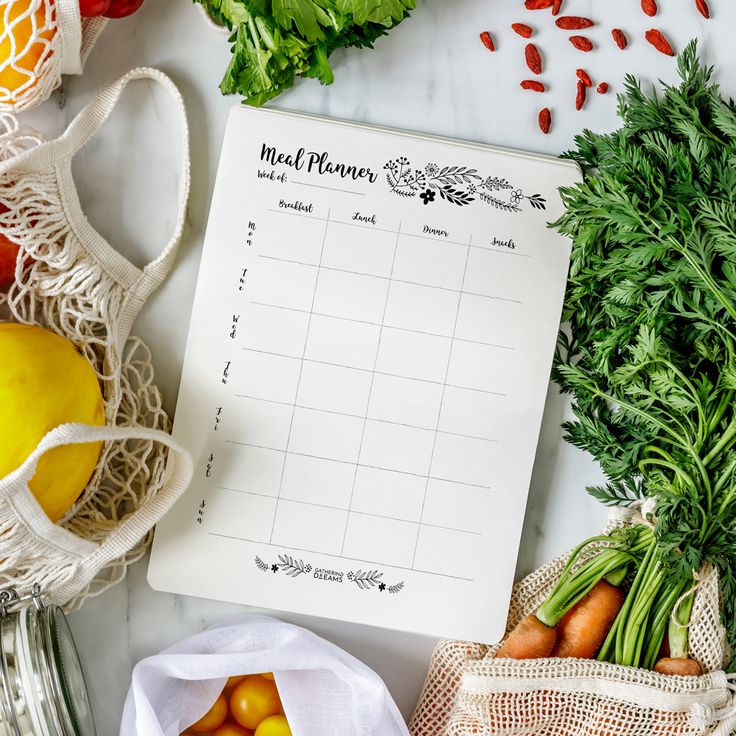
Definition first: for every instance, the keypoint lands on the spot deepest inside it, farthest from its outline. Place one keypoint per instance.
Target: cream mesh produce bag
(70, 280)
(39, 41)
(468, 692)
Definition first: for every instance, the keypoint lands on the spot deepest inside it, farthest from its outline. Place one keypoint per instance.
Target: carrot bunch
(596, 609)
(649, 354)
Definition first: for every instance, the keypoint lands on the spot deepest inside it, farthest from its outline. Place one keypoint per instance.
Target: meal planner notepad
(365, 375)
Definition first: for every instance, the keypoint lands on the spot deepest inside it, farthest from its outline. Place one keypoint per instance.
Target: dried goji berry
(556, 7)
(533, 85)
(523, 29)
(533, 59)
(545, 120)
(580, 98)
(649, 7)
(538, 4)
(659, 42)
(581, 43)
(574, 23)
(703, 8)
(602, 88)
(584, 77)
(620, 38)
(487, 41)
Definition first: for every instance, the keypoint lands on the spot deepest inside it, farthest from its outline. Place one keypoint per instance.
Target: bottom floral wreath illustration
(294, 567)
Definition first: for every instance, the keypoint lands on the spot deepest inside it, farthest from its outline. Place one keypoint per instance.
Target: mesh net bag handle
(84, 127)
(91, 557)
(58, 154)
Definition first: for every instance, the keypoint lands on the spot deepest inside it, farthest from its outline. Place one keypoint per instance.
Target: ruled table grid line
(395, 280)
(378, 373)
(361, 465)
(505, 252)
(306, 407)
(301, 370)
(388, 327)
(360, 501)
(439, 413)
(354, 559)
(370, 392)
(348, 510)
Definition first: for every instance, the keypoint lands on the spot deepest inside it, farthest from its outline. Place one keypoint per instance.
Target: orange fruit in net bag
(26, 30)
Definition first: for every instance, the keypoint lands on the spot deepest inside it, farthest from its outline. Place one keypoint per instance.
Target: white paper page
(365, 375)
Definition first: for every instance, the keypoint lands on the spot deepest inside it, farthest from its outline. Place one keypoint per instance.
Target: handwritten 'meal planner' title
(316, 162)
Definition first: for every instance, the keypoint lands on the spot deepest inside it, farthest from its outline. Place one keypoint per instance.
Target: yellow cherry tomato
(268, 675)
(274, 726)
(230, 728)
(253, 700)
(233, 681)
(213, 718)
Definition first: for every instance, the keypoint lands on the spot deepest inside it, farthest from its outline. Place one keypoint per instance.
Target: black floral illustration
(427, 196)
(293, 567)
(458, 185)
(537, 201)
(365, 579)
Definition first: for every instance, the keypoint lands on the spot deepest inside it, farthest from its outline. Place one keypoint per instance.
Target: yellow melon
(45, 382)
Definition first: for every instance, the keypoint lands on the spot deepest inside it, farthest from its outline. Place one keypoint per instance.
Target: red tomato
(93, 8)
(8, 257)
(123, 8)
(253, 700)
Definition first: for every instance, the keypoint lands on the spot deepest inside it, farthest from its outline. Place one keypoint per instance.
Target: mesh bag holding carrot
(632, 633)
(470, 689)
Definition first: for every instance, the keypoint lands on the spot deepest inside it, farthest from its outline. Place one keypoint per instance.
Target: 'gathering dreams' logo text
(315, 162)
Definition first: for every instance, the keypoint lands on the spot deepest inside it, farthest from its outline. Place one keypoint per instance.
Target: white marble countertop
(431, 75)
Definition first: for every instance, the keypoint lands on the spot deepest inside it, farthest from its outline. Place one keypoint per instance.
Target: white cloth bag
(325, 691)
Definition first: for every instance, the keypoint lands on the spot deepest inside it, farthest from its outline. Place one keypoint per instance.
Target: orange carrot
(678, 666)
(584, 627)
(531, 639)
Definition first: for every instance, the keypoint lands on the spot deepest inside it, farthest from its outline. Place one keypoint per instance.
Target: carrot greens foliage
(649, 352)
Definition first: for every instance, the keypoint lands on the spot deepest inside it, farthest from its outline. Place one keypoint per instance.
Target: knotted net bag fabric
(68, 283)
(467, 691)
(39, 41)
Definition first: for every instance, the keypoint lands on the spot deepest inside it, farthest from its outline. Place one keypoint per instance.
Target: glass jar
(42, 688)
